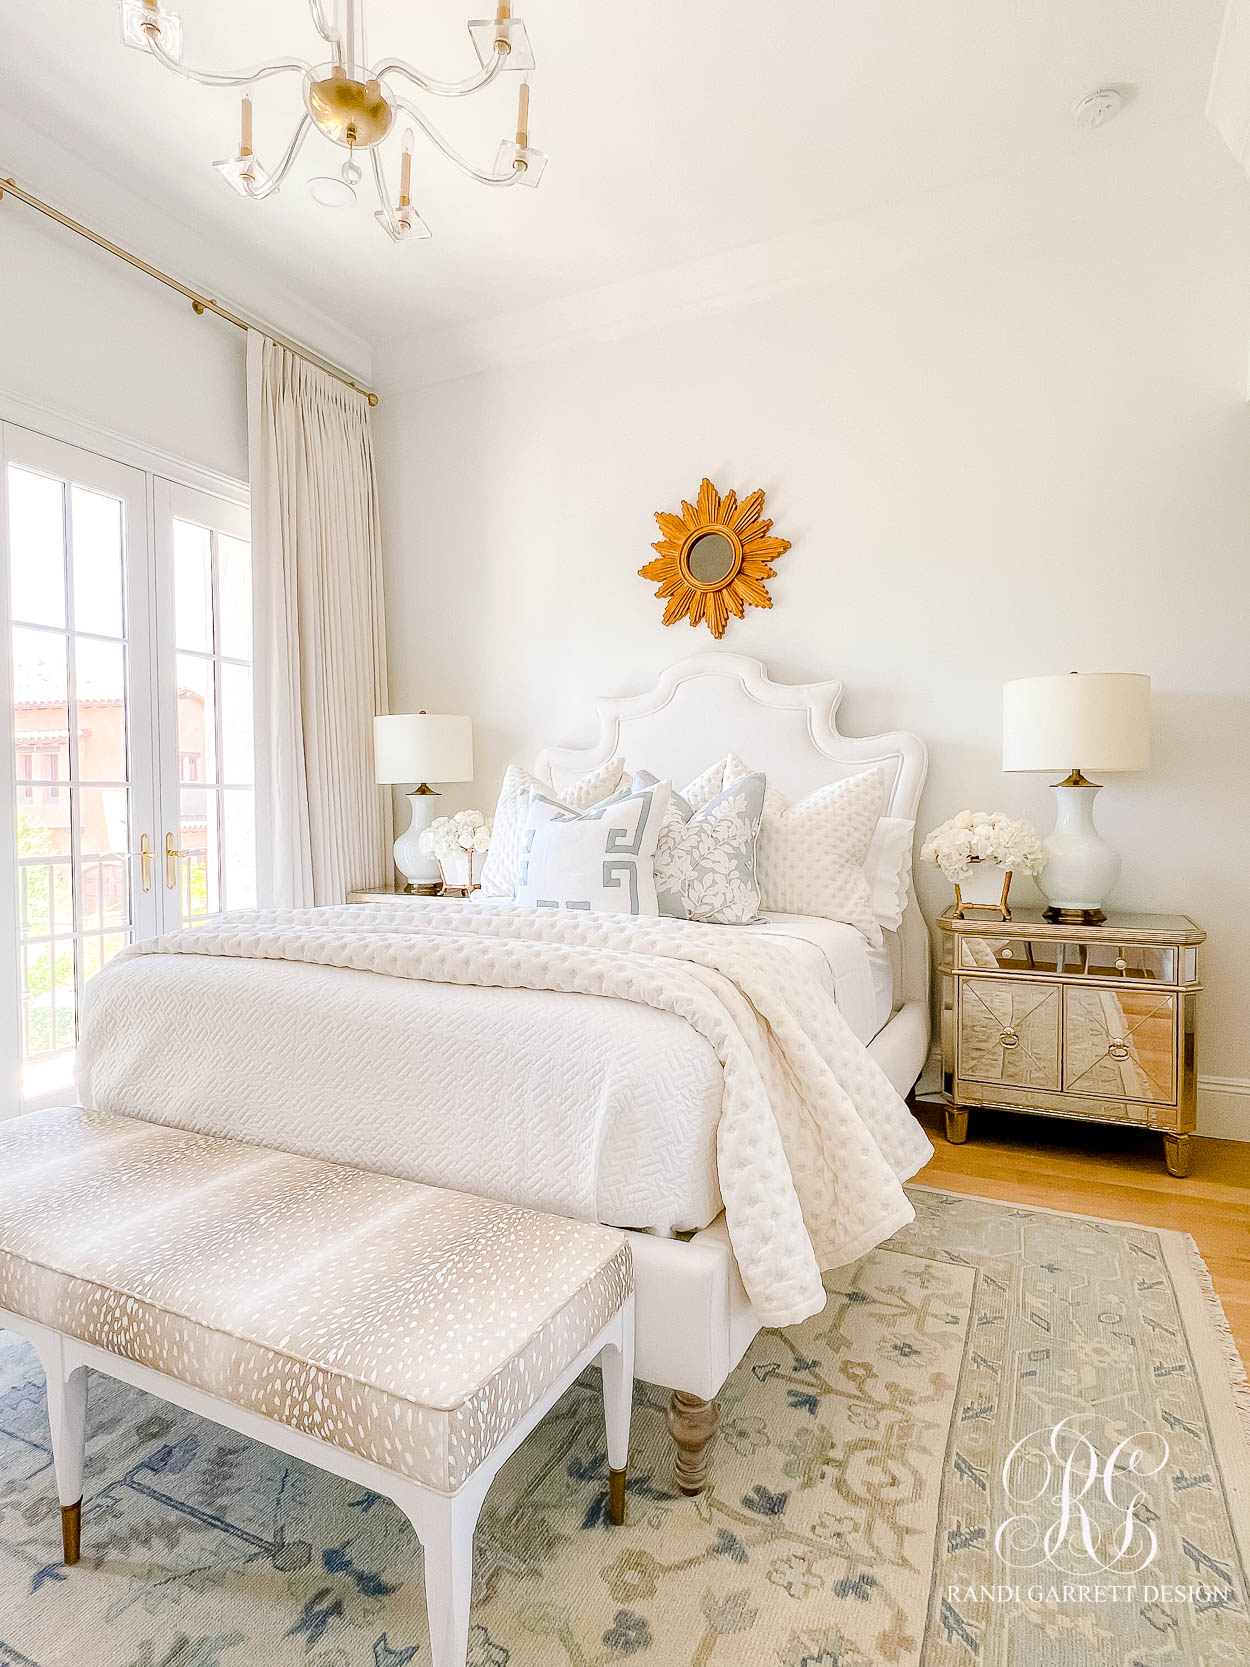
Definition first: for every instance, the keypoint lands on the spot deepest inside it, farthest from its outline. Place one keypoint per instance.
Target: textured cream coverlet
(812, 1142)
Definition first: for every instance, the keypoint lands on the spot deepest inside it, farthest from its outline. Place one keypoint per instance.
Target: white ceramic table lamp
(1084, 721)
(421, 747)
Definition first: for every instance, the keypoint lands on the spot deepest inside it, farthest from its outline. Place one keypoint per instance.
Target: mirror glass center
(711, 559)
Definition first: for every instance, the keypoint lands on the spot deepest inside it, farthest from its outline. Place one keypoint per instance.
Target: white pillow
(810, 855)
(602, 860)
(500, 868)
(887, 868)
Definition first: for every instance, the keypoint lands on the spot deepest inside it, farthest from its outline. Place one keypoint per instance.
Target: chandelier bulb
(405, 170)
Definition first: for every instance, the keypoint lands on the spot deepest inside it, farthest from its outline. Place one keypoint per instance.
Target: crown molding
(1136, 164)
(43, 167)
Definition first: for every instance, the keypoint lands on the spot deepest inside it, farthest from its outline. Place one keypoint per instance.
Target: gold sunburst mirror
(714, 558)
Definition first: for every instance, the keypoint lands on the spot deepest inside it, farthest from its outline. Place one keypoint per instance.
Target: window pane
(236, 723)
(196, 748)
(41, 726)
(100, 688)
(193, 587)
(234, 592)
(48, 1000)
(239, 846)
(199, 869)
(37, 547)
(99, 951)
(102, 821)
(46, 899)
(96, 522)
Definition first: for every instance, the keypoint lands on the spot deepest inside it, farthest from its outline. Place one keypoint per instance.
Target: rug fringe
(1239, 1380)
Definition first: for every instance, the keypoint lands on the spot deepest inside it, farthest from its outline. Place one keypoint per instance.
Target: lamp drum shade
(422, 747)
(1085, 721)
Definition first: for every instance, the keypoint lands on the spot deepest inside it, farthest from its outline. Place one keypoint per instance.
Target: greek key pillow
(602, 860)
(705, 859)
(499, 871)
(810, 856)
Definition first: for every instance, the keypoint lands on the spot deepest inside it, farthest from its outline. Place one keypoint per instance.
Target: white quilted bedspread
(811, 1141)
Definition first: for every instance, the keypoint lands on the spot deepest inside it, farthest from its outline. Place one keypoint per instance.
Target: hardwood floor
(1116, 1173)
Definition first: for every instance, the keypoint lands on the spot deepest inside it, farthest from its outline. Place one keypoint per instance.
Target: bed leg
(692, 1423)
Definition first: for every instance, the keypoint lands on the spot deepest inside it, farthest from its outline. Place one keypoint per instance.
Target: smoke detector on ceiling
(1098, 108)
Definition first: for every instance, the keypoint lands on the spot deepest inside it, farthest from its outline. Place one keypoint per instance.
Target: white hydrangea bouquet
(453, 842)
(979, 851)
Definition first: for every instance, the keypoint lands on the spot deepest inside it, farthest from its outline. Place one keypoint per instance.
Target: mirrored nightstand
(1091, 1022)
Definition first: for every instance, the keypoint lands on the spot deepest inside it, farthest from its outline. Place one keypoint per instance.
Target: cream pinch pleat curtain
(322, 825)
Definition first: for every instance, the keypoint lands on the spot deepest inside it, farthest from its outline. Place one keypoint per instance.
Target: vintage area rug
(1013, 1439)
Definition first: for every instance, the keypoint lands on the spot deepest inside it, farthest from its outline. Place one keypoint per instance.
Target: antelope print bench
(401, 1336)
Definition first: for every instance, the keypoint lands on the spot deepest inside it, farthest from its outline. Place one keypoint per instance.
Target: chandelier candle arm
(210, 78)
(443, 89)
(451, 153)
(283, 168)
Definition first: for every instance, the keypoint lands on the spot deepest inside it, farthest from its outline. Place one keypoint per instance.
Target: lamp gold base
(1074, 917)
(434, 889)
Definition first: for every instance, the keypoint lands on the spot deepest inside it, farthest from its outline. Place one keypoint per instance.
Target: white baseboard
(1223, 1102)
(1224, 1107)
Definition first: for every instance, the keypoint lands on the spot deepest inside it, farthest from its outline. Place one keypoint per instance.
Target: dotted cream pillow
(499, 872)
(809, 857)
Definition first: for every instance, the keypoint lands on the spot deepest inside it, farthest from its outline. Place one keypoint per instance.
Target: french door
(128, 728)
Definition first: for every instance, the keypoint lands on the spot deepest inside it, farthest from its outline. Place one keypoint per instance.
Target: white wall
(1022, 456)
(83, 334)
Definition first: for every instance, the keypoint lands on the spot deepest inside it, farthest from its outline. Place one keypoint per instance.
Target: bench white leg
(445, 1529)
(67, 1419)
(617, 1365)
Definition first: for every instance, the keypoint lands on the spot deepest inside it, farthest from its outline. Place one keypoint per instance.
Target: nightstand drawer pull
(1117, 1049)
(1009, 1039)
(1008, 953)
(1121, 964)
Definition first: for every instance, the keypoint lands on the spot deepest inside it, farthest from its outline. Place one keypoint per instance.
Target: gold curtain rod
(199, 303)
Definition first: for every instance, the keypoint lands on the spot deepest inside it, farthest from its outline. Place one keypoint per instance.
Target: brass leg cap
(71, 1531)
(616, 1498)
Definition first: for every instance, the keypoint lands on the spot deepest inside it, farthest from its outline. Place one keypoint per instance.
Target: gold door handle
(144, 854)
(172, 853)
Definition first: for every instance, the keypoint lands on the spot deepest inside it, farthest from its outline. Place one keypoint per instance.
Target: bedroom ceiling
(675, 131)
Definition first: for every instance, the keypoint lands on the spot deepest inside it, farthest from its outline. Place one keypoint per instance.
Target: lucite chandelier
(356, 106)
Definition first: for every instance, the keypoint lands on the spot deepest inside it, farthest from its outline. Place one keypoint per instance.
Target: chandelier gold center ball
(352, 113)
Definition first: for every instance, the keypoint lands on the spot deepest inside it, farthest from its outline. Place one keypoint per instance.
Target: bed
(382, 1049)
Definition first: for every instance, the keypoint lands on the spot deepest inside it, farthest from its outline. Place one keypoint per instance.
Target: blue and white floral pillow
(602, 860)
(705, 858)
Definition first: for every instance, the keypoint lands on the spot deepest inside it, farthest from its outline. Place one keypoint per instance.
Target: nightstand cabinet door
(1120, 1044)
(1009, 1032)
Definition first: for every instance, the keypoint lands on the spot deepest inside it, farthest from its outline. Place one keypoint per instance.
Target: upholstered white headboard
(710, 704)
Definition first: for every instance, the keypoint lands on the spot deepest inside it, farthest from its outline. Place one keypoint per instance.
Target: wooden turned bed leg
(692, 1423)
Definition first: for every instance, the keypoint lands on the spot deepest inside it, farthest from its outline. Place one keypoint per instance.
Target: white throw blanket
(812, 1140)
